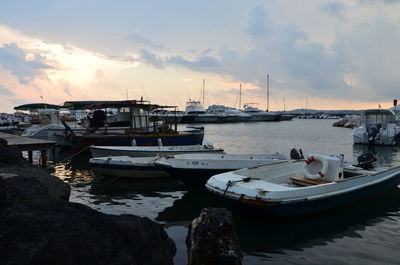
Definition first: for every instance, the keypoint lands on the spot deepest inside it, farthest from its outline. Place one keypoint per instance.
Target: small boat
(195, 169)
(297, 187)
(146, 151)
(127, 167)
(379, 128)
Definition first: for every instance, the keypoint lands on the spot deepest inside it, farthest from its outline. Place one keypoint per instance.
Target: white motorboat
(196, 169)
(259, 115)
(127, 167)
(295, 187)
(195, 113)
(379, 128)
(146, 151)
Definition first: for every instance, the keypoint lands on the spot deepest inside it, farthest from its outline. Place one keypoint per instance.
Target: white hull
(217, 161)
(146, 151)
(128, 167)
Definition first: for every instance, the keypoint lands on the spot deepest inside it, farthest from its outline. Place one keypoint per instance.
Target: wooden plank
(303, 181)
(26, 143)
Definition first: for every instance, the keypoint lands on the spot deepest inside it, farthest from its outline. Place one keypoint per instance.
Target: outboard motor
(365, 160)
(372, 133)
(294, 154)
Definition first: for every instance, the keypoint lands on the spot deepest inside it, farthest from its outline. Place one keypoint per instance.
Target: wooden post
(30, 157)
(43, 154)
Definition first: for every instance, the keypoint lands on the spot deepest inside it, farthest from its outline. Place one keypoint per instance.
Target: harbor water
(363, 233)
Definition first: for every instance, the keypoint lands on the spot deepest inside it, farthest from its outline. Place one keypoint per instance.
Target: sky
(318, 54)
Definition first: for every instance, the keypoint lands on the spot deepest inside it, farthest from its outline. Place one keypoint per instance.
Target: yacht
(260, 115)
(195, 113)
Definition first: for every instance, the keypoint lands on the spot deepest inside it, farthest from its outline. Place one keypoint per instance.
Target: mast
(240, 96)
(267, 92)
(204, 81)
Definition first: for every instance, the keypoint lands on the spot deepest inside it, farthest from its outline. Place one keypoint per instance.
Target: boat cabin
(379, 118)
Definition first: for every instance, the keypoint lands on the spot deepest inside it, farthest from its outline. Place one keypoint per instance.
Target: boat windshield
(379, 119)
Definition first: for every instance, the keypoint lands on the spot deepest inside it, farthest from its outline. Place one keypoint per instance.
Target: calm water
(365, 233)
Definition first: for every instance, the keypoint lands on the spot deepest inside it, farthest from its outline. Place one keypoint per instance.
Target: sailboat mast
(240, 96)
(267, 92)
(204, 81)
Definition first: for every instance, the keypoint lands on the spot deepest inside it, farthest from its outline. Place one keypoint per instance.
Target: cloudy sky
(337, 54)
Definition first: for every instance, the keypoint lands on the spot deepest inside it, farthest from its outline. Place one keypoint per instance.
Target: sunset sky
(338, 54)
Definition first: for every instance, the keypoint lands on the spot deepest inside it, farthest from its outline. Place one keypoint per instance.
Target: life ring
(321, 173)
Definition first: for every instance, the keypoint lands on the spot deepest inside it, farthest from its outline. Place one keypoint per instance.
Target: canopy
(35, 106)
(113, 104)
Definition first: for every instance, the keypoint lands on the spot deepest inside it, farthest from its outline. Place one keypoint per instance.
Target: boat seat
(303, 181)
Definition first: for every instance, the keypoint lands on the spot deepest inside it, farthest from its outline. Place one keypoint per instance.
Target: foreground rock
(212, 239)
(52, 231)
(20, 181)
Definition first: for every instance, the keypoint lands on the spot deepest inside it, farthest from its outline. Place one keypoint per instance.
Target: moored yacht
(195, 113)
(260, 115)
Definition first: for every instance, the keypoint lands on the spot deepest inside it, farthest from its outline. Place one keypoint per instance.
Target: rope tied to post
(230, 182)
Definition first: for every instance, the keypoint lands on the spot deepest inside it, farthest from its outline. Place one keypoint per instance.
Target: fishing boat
(379, 128)
(297, 187)
(146, 151)
(195, 169)
(127, 167)
(132, 125)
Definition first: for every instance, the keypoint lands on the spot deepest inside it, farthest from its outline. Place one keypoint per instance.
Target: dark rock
(20, 181)
(52, 231)
(212, 239)
(12, 156)
(18, 184)
(3, 142)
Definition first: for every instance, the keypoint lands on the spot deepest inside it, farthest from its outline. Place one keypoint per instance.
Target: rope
(116, 178)
(230, 182)
(68, 158)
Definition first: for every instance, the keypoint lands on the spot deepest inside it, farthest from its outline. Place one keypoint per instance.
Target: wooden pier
(30, 145)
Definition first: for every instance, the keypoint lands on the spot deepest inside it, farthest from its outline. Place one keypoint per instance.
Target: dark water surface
(364, 233)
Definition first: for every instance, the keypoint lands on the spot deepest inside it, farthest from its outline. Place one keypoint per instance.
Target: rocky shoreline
(38, 225)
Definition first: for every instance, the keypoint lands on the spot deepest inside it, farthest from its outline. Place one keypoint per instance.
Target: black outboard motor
(372, 133)
(365, 160)
(294, 154)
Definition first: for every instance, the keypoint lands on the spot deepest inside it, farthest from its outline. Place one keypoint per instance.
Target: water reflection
(265, 233)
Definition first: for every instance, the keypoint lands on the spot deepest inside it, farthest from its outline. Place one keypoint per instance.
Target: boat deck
(303, 181)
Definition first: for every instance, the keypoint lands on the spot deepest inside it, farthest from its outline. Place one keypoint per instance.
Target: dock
(30, 145)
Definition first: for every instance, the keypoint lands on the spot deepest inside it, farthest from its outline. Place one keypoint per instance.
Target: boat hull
(194, 178)
(124, 171)
(82, 141)
(303, 207)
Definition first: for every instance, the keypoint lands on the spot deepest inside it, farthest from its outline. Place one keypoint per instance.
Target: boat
(298, 187)
(195, 169)
(260, 115)
(195, 113)
(132, 124)
(146, 151)
(379, 128)
(228, 114)
(127, 167)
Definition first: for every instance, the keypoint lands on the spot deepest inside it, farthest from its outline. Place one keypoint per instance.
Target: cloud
(136, 37)
(14, 59)
(151, 58)
(5, 91)
(336, 9)
(203, 63)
